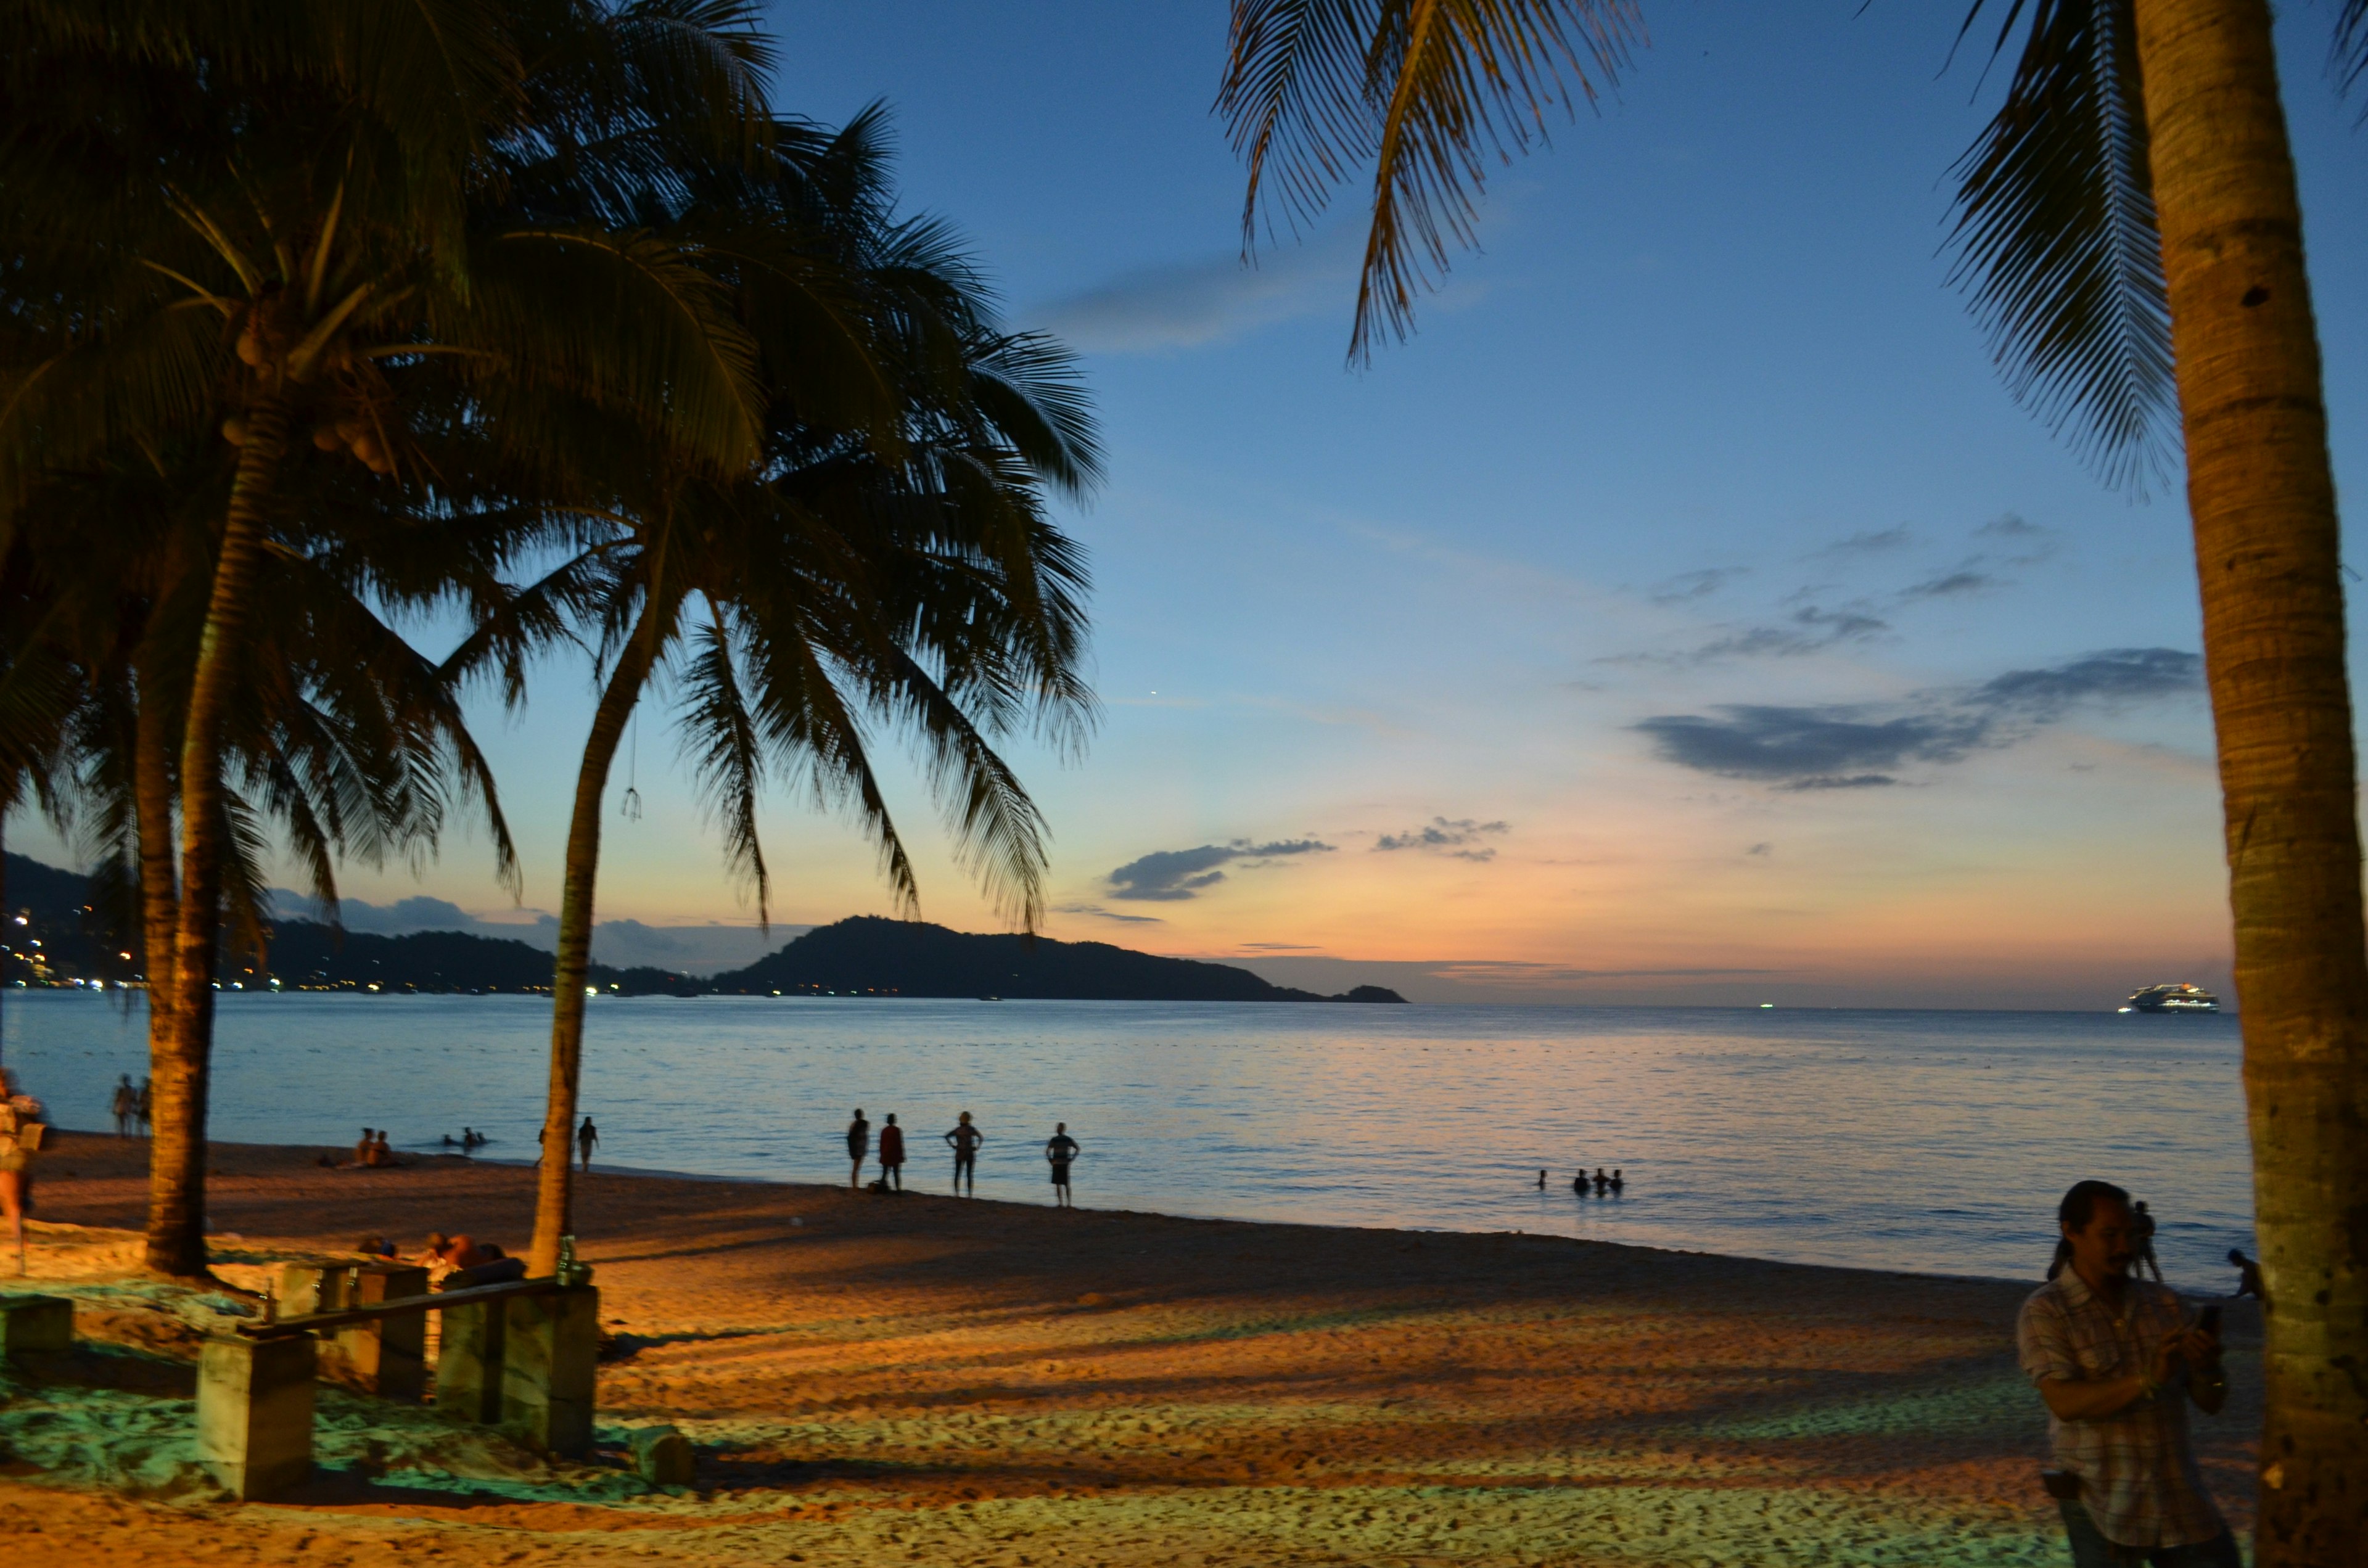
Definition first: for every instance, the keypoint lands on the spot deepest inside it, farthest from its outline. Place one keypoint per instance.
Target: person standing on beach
(2143, 1235)
(147, 1118)
(127, 1105)
(588, 1138)
(858, 1144)
(2117, 1362)
(1061, 1153)
(891, 1154)
(964, 1139)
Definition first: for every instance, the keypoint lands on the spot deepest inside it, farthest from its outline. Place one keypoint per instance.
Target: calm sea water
(1920, 1141)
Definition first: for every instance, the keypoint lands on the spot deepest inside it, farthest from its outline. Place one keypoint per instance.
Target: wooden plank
(434, 1301)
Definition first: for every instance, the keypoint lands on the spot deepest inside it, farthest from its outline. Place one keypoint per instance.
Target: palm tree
(345, 740)
(2130, 228)
(853, 576)
(299, 224)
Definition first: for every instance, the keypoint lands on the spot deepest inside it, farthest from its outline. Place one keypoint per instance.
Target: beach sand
(877, 1380)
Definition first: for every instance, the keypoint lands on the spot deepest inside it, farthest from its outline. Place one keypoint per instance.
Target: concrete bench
(35, 1322)
(521, 1356)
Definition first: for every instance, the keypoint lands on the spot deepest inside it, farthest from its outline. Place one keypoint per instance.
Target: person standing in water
(964, 1141)
(1602, 1182)
(1060, 1152)
(588, 1138)
(892, 1154)
(858, 1144)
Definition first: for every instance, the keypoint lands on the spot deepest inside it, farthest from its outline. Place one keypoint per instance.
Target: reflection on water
(1929, 1141)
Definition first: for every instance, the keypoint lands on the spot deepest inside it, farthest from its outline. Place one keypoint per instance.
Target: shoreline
(975, 1381)
(426, 1155)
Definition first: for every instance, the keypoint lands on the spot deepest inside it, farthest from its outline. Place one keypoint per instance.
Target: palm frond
(2056, 244)
(1428, 90)
(2348, 61)
(727, 754)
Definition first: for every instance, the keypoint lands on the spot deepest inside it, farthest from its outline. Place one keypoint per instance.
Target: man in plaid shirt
(2117, 1361)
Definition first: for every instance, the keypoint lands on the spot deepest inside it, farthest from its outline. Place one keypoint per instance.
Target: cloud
(2113, 675)
(1873, 543)
(1945, 585)
(1859, 747)
(1186, 306)
(1806, 747)
(2008, 526)
(1442, 835)
(1166, 876)
(1696, 584)
(1761, 850)
(1099, 912)
(1279, 947)
(701, 949)
(1810, 629)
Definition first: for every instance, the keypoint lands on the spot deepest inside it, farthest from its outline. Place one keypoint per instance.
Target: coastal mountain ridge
(70, 934)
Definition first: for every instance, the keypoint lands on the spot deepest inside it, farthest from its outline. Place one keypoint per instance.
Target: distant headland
(70, 938)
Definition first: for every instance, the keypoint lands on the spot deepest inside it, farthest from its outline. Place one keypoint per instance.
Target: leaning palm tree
(345, 744)
(292, 224)
(2132, 236)
(854, 576)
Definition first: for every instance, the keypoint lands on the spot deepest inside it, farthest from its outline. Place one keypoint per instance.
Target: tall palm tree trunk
(8, 804)
(554, 1196)
(2263, 499)
(152, 803)
(179, 1058)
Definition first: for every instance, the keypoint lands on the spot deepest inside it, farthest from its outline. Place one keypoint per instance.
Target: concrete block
(305, 1287)
(550, 1347)
(664, 1457)
(35, 1322)
(468, 1362)
(387, 1358)
(255, 1412)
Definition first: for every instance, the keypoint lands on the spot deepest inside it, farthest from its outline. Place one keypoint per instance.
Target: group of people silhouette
(1605, 1185)
(964, 1138)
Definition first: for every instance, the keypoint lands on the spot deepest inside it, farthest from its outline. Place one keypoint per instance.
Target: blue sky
(1531, 661)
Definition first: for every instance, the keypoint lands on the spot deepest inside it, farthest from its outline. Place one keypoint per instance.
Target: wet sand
(878, 1380)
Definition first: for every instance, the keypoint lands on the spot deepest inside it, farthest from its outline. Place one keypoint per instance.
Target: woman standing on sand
(20, 1135)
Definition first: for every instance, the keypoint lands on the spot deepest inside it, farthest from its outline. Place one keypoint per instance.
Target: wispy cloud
(1875, 541)
(1859, 747)
(1163, 309)
(1699, 584)
(1099, 912)
(1168, 876)
(1812, 628)
(1457, 837)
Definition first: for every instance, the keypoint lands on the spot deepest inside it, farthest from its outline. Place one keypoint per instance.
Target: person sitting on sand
(2117, 1360)
(2249, 1275)
(374, 1246)
(1061, 1150)
(20, 1136)
(379, 1154)
(964, 1141)
(363, 1151)
(891, 1154)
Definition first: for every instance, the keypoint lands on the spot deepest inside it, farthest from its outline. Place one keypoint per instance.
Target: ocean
(1924, 1142)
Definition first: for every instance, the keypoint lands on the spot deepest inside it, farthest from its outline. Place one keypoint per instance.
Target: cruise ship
(2182, 997)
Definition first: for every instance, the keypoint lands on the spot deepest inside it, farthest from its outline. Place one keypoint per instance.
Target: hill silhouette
(866, 954)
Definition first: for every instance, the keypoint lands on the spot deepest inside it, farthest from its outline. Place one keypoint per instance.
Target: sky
(1686, 614)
